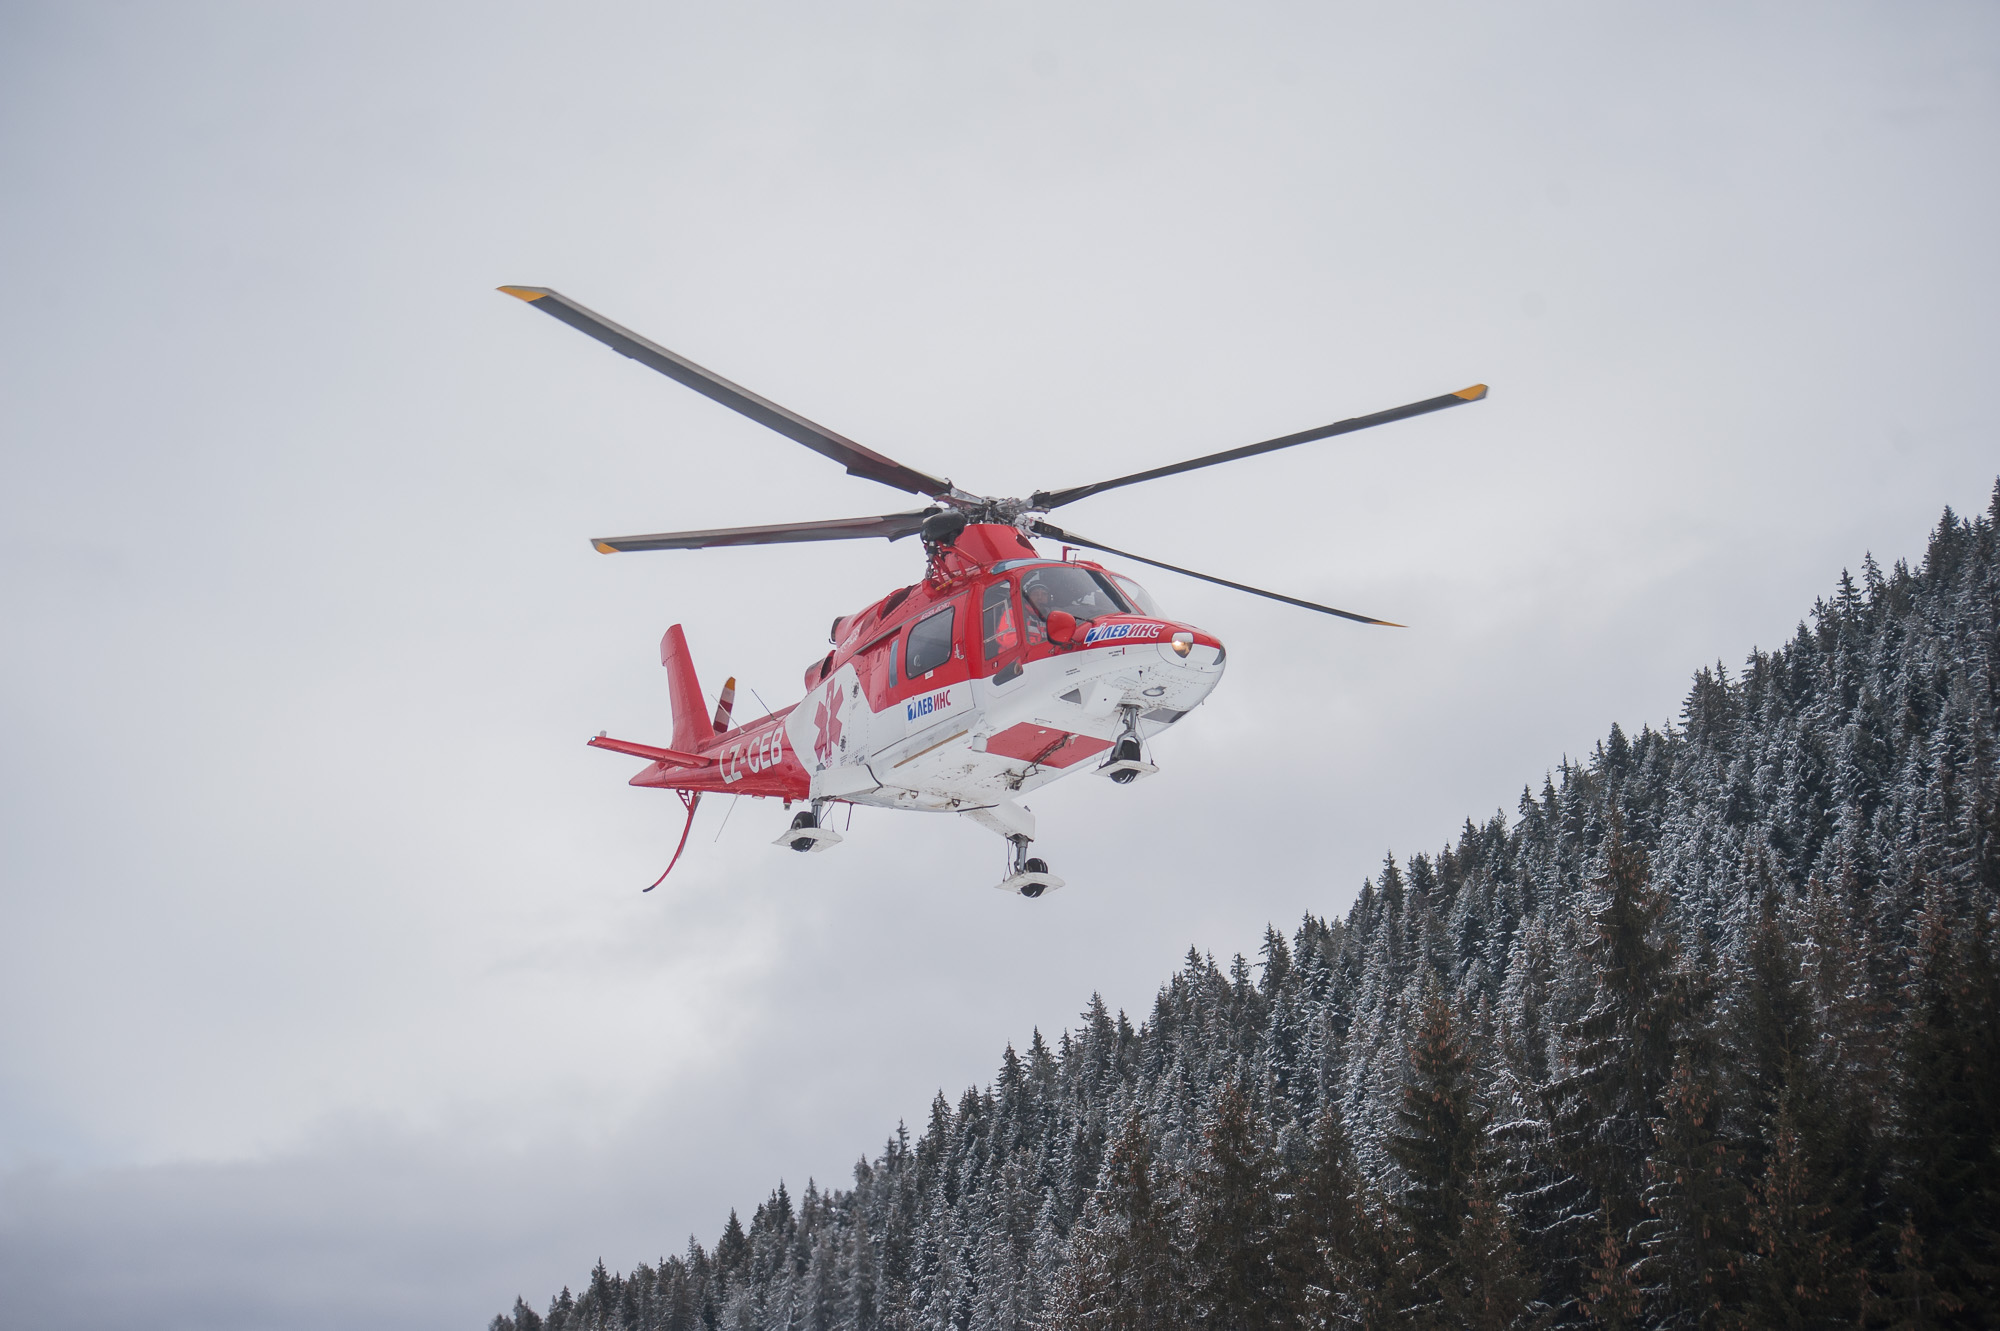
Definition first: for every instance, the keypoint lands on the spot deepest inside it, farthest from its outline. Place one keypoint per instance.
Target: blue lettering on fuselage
(924, 706)
(1113, 632)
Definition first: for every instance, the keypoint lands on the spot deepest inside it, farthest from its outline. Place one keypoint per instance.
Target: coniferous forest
(1706, 1034)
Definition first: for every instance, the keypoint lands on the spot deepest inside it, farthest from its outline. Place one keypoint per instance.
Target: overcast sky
(327, 992)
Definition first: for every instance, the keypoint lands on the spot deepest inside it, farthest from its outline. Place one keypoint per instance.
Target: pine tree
(1693, 1243)
(1911, 1299)
(1949, 1114)
(1126, 1265)
(1319, 1253)
(524, 1318)
(1803, 1202)
(1611, 1297)
(1440, 1142)
(1485, 1286)
(1802, 1274)
(1233, 1219)
(1692, 1238)
(1618, 1056)
(1771, 1036)
(732, 1251)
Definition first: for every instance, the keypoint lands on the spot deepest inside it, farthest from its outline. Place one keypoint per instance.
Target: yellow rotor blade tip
(604, 549)
(524, 293)
(1472, 394)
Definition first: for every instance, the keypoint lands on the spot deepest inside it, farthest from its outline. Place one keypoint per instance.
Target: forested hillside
(1706, 1034)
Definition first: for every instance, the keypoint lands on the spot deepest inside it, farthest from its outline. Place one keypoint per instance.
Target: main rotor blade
(889, 526)
(859, 461)
(1055, 533)
(1048, 499)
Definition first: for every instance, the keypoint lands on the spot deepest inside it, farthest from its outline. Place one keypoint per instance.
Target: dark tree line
(1707, 1035)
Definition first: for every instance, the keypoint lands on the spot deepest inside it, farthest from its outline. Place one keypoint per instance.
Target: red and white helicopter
(999, 672)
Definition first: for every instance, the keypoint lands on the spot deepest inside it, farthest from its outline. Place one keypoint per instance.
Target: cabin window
(996, 620)
(877, 666)
(930, 644)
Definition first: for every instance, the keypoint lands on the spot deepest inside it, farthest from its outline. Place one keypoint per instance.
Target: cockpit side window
(996, 620)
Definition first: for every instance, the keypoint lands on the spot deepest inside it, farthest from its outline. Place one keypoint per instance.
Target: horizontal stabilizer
(671, 757)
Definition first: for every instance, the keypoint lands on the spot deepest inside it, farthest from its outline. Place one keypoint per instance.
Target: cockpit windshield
(1078, 591)
(1141, 599)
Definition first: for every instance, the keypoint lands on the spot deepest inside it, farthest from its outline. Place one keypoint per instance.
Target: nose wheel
(1027, 875)
(1127, 761)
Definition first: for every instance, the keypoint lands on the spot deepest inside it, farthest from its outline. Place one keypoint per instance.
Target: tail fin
(725, 705)
(691, 727)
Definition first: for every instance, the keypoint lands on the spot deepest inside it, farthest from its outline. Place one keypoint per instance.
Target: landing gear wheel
(1127, 751)
(1126, 762)
(1027, 876)
(806, 834)
(800, 822)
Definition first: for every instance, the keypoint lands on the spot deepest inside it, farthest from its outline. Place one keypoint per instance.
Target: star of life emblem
(827, 721)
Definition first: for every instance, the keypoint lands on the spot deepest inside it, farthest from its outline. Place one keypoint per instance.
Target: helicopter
(998, 672)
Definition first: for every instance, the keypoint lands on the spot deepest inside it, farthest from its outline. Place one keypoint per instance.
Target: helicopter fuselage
(955, 695)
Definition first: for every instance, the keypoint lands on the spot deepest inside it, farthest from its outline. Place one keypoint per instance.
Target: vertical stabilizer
(692, 730)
